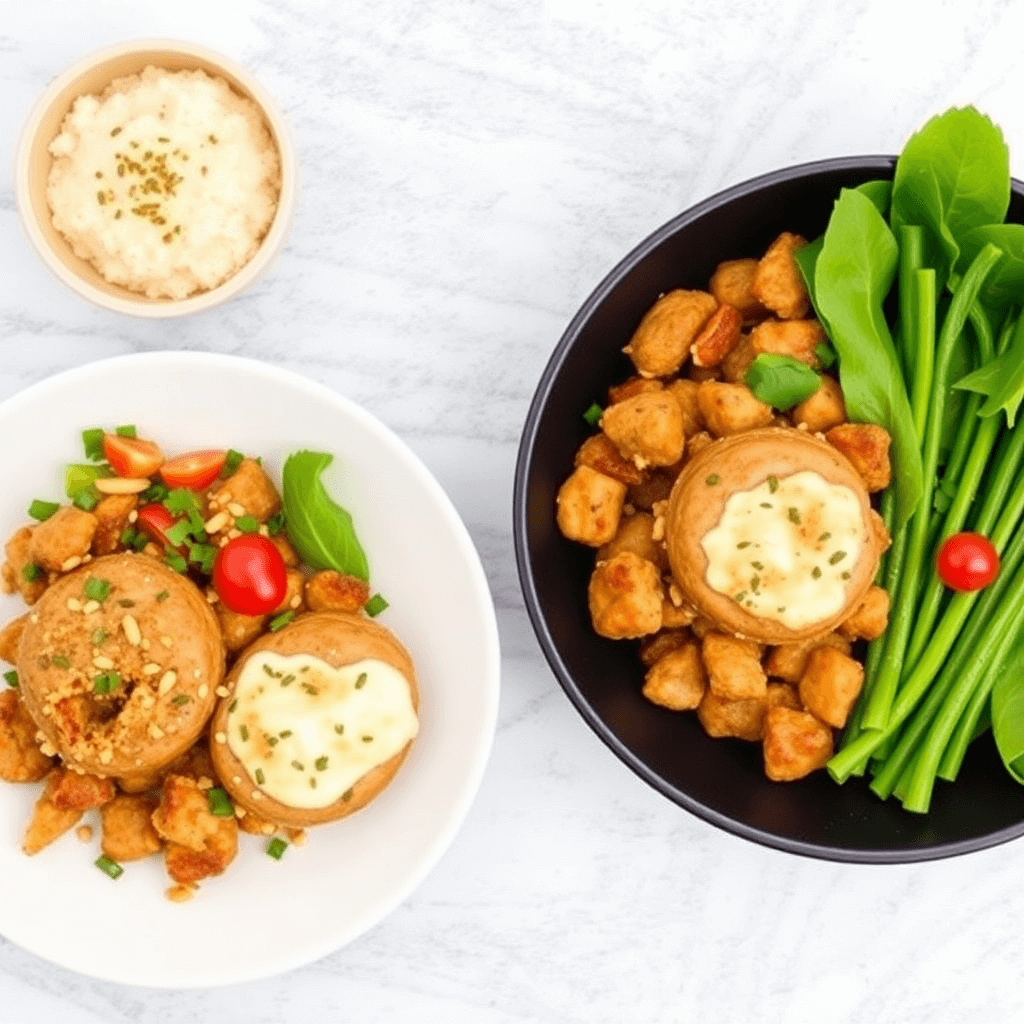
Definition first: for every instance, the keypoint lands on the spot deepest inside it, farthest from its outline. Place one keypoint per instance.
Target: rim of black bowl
(866, 855)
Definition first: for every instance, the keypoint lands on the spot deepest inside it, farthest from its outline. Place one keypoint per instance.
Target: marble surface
(469, 171)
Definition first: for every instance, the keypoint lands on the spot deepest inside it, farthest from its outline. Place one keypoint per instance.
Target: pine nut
(121, 485)
(131, 630)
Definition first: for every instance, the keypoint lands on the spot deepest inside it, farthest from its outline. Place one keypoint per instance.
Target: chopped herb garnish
(347, 795)
(177, 533)
(275, 524)
(837, 557)
(32, 573)
(232, 705)
(321, 763)
(298, 766)
(281, 621)
(367, 739)
(162, 596)
(109, 866)
(203, 555)
(106, 683)
(375, 605)
(126, 602)
(310, 689)
(339, 729)
(181, 499)
(86, 499)
(361, 681)
(12, 679)
(232, 461)
(61, 661)
(773, 484)
(815, 572)
(260, 777)
(824, 537)
(42, 510)
(219, 803)
(127, 430)
(128, 535)
(153, 493)
(182, 698)
(712, 480)
(593, 414)
(794, 514)
(276, 848)
(845, 576)
(285, 734)
(269, 671)
(243, 731)
(92, 441)
(97, 589)
(247, 524)
(175, 561)
(98, 636)
(782, 609)
(743, 544)
(767, 504)
(755, 582)
(288, 679)
(757, 565)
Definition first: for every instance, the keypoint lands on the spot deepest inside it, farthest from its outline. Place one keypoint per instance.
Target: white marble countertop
(469, 171)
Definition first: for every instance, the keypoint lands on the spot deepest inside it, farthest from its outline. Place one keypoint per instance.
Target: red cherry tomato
(967, 561)
(196, 469)
(154, 521)
(132, 457)
(250, 575)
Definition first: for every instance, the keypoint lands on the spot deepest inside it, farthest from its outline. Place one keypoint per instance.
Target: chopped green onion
(593, 414)
(203, 555)
(276, 848)
(12, 679)
(128, 535)
(163, 595)
(181, 499)
(321, 763)
(837, 558)
(98, 636)
(126, 602)
(375, 605)
(260, 777)
(281, 621)
(361, 681)
(97, 589)
(285, 734)
(247, 524)
(712, 480)
(773, 484)
(182, 698)
(140, 540)
(92, 440)
(32, 573)
(233, 705)
(232, 461)
(109, 867)
(106, 683)
(794, 514)
(298, 766)
(177, 533)
(61, 661)
(219, 804)
(128, 430)
(347, 795)
(42, 510)
(275, 524)
(339, 729)
(79, 476)
(243, 731)
(155, 492)
(86, 499)
(175, 561)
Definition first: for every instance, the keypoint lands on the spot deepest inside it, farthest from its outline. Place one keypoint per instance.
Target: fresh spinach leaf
(781, 381)
(879, 191)
(952, 176)
(1005, 284)
(319, 527)
(1001, 379)
(806, 259)
(1007, 709)
(852, 277)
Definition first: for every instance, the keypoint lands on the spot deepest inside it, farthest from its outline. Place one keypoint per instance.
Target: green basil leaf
(852, 277)
(781, 381)
(952, 176)
(79, 476)
(1007, 709)
(319, 528)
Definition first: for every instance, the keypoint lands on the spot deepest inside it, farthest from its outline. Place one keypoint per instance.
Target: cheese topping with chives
(785, 550)
(306, 732)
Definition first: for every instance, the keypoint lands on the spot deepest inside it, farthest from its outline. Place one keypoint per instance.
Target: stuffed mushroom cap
(771, 535)
(319, 717)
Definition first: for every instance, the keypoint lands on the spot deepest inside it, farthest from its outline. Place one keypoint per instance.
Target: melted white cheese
(785, 549)
(306, 732)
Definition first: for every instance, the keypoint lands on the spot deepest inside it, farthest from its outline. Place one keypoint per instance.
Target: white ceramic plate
(263, 916)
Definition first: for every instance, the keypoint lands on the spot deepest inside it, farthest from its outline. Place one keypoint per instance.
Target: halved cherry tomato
(132, 457)
(967, 561)
(154, 520)
(250, 575)
(196, 469)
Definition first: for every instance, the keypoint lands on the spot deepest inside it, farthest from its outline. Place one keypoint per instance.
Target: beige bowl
(33, 163)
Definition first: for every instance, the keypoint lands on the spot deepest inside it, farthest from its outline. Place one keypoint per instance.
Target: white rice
(167, 182)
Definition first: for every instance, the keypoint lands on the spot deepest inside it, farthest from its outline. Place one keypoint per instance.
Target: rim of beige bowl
(90, 75)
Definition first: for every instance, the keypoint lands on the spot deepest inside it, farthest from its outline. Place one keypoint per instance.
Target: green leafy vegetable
(781, 381)
(593, 414)
(853, 274)
(1005, 285)
(952, 176)
(879, 192)
(80, 476)
(92, 442)
(1001, 380)
(375, 606)
(321, 530)
(1007, 705)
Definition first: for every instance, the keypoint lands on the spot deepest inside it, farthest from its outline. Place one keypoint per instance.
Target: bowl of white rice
(156, 178)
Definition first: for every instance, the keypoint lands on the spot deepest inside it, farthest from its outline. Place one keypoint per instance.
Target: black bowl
(721, 781)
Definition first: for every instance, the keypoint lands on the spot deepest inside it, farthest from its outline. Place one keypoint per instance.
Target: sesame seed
(102, 662)
(235, 509)
(150, 669)
(71, 563)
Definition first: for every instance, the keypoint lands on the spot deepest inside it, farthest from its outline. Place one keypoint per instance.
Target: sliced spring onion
(127, 430)
(32, 573)
(375, 605)
(281, 621)
(203, 555)
(42, 510)
(78, 476)
(593, 414)
(275, 524)
(175, 561)
(219, 803)
(182, 698)
(247, 524)
(61, 661)
(92, 440)
(276, 848)
(109, 867)
(177, 533)
(260, 777)
(12, 679)
(97, 589)
(106, 683)
(153, 493)
(86, 499)
(97, 636)
(163, 595)
(232, 461)
(321, 763)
